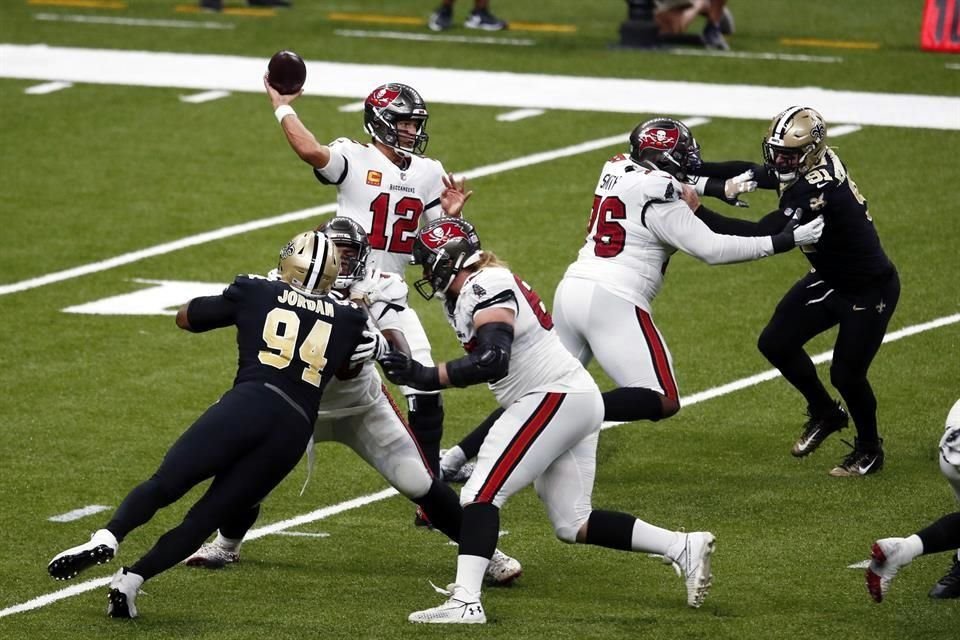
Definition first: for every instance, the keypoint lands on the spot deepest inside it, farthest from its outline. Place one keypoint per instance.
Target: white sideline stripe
(204, 96)
(351, 107)
(305, 534)
(842, 130)
(863, 564)
(953, 65)
(238, 229)
(755, 55)
(426, 37)
(47, 87)
(132, 22)
(325, 512)
(480, 88)
(76, 514)
(519, 114)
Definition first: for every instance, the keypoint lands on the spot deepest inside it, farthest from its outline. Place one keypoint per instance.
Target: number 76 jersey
(390, 203)
(538, 360)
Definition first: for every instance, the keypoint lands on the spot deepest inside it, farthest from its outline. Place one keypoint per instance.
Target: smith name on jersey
(390, 203)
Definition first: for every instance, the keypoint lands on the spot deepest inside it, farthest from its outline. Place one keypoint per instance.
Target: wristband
(283, 111)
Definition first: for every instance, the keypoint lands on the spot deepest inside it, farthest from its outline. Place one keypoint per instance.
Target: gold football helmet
(795, 143)
(309, 263)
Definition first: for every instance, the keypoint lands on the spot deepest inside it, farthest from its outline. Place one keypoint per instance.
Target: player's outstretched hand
(372, 347)
(689, 195)
(743, 183)
(277, 98)
(808, 233)
(454, 195)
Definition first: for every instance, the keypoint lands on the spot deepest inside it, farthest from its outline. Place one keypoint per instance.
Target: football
(286, 72)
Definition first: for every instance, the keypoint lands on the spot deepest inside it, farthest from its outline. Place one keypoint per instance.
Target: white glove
(372, 347)
(362, 289)
(808, 233)
(743, 183)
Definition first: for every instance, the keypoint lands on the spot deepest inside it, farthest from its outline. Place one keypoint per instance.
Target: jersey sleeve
(214, 312)
(490, 289)
(431, 207)
(675, 224)
(336, 170)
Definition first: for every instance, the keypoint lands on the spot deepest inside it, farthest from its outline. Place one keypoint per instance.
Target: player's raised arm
(301, 140)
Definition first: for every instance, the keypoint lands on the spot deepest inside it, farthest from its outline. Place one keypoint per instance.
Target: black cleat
(441, 19)
(816, 430)
(484, 20)
(862, 461)
(67, 564)
(949, 585)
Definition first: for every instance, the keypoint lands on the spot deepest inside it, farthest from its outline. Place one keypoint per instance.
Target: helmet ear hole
(668, 145)
(389, 104)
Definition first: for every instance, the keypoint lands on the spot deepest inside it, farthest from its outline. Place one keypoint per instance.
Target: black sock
(472, 442)
(239, 523)
(480, 529)
(426, 421)
(611, 529)
(627, 404)
(442, 507)
(942, 535)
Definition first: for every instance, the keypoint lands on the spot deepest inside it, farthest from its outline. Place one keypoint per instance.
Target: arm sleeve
(490, 359)
(724, 170)
(211, 312)
(674, 224)
(769, 225)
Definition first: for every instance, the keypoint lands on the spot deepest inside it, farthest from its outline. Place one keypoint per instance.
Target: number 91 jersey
(390, 203)
(538, 360)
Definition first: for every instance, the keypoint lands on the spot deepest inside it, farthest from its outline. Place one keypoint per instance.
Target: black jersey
(848, 255)
(288, 341)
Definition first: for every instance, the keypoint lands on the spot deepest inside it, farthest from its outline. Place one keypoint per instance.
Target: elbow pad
(490, 359)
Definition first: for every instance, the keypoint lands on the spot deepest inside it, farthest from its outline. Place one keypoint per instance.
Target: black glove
(401, 369)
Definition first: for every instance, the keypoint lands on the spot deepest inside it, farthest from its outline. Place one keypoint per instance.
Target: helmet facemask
(668, 145)
(795, 143)
(389, 105)
(353, 249)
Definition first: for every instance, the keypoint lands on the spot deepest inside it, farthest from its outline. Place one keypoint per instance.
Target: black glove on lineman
(401, 369)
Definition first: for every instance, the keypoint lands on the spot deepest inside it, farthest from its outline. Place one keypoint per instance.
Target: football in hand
(286, 72)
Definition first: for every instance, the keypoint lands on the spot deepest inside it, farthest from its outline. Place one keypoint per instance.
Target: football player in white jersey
(390, 189)
(640, 218)
(889, 555)
(357, 411)
(548, 432)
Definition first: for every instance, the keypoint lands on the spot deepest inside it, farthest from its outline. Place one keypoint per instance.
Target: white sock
(230, 544)
(453, 459)
(470, 570)
(913, 546)
(652, 539)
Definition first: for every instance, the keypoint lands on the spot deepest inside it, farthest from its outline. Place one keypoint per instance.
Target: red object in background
(940, 28)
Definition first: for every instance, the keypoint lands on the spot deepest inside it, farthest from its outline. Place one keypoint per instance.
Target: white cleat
(67, 564)
(503, 569)
(212, 556)
(122, 596)
(693, 565)
(886, 558)
(461, 607)
(454, 466)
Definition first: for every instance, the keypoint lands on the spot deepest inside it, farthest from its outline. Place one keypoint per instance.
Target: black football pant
(811, 307)
(247, 442)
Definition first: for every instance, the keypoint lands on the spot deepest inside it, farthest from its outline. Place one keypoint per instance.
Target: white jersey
(638, 221)
(390, 203)
(359, 390)
(538, 361)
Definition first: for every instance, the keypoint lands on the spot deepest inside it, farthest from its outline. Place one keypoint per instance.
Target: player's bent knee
(411, 478)
(671, 406)
(567, 531)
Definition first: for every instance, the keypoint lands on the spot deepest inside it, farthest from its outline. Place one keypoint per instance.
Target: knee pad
(411, 478)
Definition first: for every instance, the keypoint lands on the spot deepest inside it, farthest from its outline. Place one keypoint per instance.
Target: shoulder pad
(660, 186)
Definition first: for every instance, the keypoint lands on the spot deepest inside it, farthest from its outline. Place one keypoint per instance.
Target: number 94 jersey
(538, 360)
(390, 203)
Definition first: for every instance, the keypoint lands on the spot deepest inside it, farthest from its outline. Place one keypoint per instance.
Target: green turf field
(90, 403)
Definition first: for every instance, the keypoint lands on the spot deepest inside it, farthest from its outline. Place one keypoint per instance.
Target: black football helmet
(795, 143)
(387, 105)
(344, 232)
(668, 145)
(443, 248)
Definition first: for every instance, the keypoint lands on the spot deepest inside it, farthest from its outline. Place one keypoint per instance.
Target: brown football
(286, 72)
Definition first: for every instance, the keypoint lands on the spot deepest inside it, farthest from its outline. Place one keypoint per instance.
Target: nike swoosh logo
(856, 308)
(864, 469)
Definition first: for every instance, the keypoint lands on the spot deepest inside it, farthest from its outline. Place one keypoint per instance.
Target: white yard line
(426, 37)
(842, 130)
(326, 512)
(519, 114)
(76, 514)
(755, 55)
(132, 22)
(352, 107)
(204, 96)
(480, 88)
(47, 87)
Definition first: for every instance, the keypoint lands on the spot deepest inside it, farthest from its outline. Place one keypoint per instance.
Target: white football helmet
(309, 263)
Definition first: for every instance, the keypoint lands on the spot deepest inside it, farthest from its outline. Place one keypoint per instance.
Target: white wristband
(283, 111)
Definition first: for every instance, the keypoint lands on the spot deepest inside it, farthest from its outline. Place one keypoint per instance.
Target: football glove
(371, 347)
(808, 233)
(743, 183)
(401, 369)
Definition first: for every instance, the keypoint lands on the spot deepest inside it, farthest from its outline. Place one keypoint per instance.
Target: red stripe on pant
(661, 364)
(515, 451)
(403, 421)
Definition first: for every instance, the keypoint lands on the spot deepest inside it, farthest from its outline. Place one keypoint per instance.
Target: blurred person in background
(674, 16)
(479, 18)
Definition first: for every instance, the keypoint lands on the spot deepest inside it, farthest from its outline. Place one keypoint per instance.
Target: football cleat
(861, 461)
(502, 569)
(212, 556)
(122, 597)
(693, 565)
(441, 19)
(67, 564)
(454, 467)
(816, 430)
(420, 519)
(949, 585)
(886, 558)
(461, 607)
(484, 20)
(713, 38)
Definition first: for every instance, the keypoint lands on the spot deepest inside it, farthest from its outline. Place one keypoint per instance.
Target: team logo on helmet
(664, 139)
(287, 251)
(818, 131)
(442, 234)
(382, 96)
